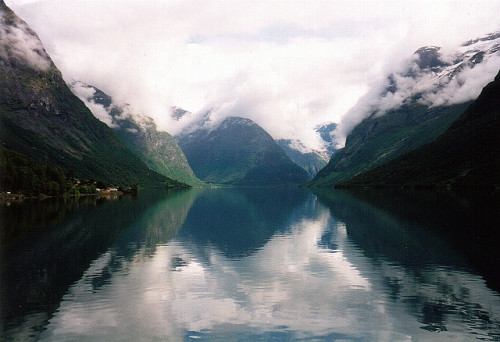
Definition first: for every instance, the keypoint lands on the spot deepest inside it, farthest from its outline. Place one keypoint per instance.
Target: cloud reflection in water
(309, 279)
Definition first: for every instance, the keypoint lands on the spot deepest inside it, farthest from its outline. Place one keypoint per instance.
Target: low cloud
(466, 86)
(287, 65)
(85, 93)
(19, 42)
(407, 83)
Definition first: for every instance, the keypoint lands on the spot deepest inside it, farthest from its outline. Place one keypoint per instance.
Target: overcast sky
(288, 65)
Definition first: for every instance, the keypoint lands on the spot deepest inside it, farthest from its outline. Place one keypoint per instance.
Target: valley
(249, 171)
(98, 137)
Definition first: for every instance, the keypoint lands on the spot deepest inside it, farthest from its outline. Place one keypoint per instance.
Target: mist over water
(252, 264)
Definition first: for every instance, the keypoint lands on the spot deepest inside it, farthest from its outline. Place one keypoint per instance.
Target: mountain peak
(429, 58)
(416, 104)
(238, 121)
(178, 113)
(157, 149)
(465, 155)
(434, 78)
(239, 152)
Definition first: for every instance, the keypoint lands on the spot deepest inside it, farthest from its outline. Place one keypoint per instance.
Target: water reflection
(419, 228)
(425, 253)
(47, 245)
(240, 221)
(213, 294)
(277, 264)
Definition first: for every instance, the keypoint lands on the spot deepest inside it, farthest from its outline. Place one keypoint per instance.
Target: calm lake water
(252, 265)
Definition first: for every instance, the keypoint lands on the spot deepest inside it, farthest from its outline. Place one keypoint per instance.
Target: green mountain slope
(157, 149)
(379, 139)
(239, 152)
(467, 154)
(41, 118)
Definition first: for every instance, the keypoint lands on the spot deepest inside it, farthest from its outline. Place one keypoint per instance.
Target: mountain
(156, 148)
(466, 155)
(310, 160)
(377, 140)
(239, 152)
(178, 113)
(42, 119)
(326, 132)
(416, 105)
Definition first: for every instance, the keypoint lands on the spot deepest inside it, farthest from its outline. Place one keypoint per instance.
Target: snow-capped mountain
(415, 104)
(312, 160)
(435, 77)
(467, 155)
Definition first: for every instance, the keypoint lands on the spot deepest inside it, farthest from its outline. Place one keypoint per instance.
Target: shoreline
(21, 197)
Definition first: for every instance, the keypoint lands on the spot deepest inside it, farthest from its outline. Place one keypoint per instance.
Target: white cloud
(18, 41)
(291, 283)
(85, 93)
(467, 85)
(287, 65)
(432, 88)
(197, 297)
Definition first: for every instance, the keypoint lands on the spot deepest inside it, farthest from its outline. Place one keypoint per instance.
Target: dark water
(252, 265)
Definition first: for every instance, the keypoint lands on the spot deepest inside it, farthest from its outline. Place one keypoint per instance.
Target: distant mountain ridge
(238, 152)
(327, 133)
(156, 148)
(41, 118)
(310, 160)
(417, 105)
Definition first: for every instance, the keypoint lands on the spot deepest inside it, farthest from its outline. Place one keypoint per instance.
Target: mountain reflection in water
(255, 264)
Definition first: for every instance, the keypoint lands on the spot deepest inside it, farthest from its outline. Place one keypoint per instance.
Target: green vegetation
(41, 118)
(98, 154)
(379, 139)
(158, 150)
(466, 155)
(21, 175)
